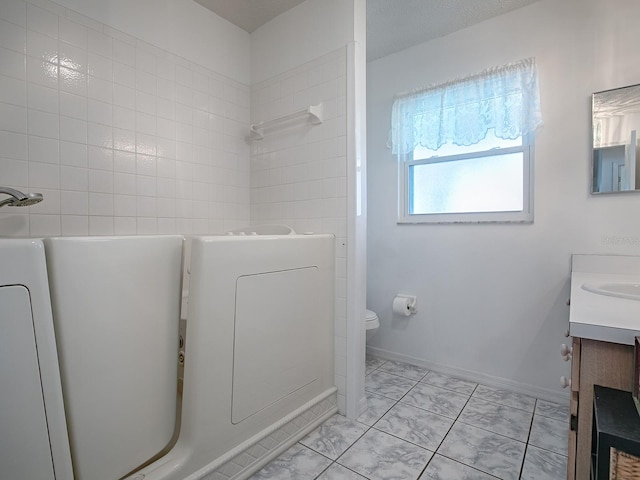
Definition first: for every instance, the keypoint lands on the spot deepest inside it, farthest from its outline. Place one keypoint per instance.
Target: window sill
(473, 218)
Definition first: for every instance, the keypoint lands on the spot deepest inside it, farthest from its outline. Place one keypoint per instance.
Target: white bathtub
(259, 353)
(258, 369)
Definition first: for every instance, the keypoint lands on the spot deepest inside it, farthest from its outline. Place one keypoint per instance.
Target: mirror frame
(592, 176)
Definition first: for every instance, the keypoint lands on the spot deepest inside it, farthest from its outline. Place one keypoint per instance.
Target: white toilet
(371, 323)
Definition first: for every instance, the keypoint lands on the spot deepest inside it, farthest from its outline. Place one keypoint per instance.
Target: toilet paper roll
(402, 306)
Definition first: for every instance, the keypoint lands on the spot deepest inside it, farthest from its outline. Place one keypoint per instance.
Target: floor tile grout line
(435, 452)
(510, 406)
(368, 427)
(526, 447)
(547, 450)
(489, 431)
(468, 466)
(552, 418)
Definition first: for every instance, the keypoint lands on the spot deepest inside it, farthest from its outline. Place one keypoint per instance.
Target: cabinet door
(573, 407)
(601, 363)
(24, 444)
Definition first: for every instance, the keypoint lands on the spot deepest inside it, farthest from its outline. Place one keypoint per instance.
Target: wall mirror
(616, 130)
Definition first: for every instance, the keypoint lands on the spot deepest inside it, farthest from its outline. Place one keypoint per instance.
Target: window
(465, 148)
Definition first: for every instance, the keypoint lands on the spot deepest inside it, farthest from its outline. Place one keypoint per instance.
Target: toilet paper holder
(409, 301)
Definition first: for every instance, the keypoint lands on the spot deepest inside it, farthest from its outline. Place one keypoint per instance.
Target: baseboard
(476, 377)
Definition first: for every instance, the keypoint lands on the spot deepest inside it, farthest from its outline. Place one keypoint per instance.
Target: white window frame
(524, 216)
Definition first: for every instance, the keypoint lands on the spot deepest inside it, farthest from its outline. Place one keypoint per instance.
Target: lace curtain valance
(462, 111)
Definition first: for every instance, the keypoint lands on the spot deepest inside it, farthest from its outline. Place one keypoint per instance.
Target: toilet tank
(116, 309)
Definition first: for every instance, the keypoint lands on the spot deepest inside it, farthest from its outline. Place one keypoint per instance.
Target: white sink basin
(605, 298)
(629, 291)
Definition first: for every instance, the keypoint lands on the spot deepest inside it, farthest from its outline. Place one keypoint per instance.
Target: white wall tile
(124, 226)
(125, 205)
(71, 81)
(100, 204)
(89, 118)
(42, 21)
(147, 225)
(125, 75)
(100, 112)
(74, 178)
(99, 135)
(124, 118)
(100, 181)
(43, 124)
(101, 225)
(12, 63)
(44, 150)
(42, 98)
(99, 89)
(99, 43)
(124, 184)
(124, 139)
(146, 186)
(73, 130)
(74, 106)
(124, 53)
(13, 91)
(72, 33)
(74, 225)
(14, 11)
(41, 225)
(124, 162)
(14, 172)
(73, 154)
(12, 36)
(74, 203)
(13, 118)
(100, 67)
(42, 47)
(44, 175)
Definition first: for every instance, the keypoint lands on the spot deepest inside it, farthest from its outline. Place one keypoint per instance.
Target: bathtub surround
(131, 119)
(120, 136)
(312, 177)
(493, 297)
(299, 171)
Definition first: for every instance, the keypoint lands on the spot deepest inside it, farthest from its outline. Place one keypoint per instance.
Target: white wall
(491, 298)
(121, 136)
(307, 31)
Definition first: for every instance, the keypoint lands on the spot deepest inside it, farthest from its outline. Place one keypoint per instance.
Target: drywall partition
(305, 175)
(121, 135)
(493, 297)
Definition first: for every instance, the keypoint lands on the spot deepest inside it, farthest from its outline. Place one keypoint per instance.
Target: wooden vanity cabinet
(593, 363)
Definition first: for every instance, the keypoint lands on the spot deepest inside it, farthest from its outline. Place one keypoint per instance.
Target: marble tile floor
(423, 425)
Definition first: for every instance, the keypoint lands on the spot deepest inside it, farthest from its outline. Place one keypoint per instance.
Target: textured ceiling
(392, 25)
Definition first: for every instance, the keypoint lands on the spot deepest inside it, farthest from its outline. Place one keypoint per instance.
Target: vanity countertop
(607, 316)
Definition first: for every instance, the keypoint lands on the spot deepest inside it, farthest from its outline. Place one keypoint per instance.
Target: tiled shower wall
(299, 170)
(124, 138)
(121, 137)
